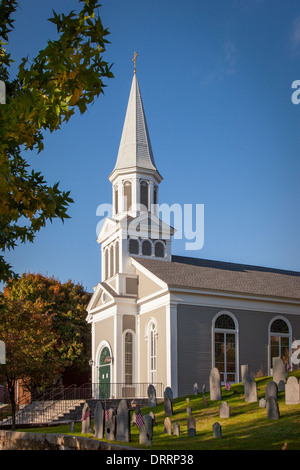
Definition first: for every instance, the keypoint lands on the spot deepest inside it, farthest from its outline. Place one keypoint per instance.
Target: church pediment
(108, 227)
(102, 296)
(148, 224)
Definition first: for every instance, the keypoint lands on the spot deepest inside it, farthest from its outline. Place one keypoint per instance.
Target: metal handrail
(62, 399)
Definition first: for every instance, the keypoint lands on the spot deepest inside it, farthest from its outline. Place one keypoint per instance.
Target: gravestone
(272, 408)
(153, 417)
(191, 427)
(279, 372)
(250, 389)
(292, 391)
(281, 386)
(245, 373)
(271, 390)
(168, 393)
(176, 429)
(99, 421)
(217, 430)
(71, 426)
(167, 426)
(262, 403)
(224, 410)
(215, 385)
(203, 389)
(168, 406)
(146, 431)
(204, 400)
(195, 389)
(189, 411)
(151, 396)
(2, 353)
(85, 419)
(110, 426)
(123, 422)
(187, 400)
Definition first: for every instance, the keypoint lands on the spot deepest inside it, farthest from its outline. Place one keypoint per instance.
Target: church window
(152, 353)
(111, 261)
(117, 258)
(155, 195)
(127, 195)
(128, 358)
(147, 248)
(116, 200)
(225, 347)
(279, 340)
(133, 246)
(106, 264)
(144, 194)
(159, 250)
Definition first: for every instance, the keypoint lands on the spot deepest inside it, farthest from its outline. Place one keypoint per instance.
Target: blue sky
(215, 78)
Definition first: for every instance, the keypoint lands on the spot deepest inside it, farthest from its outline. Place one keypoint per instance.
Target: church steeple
(135, 151)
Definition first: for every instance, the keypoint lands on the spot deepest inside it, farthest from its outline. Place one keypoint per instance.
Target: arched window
(144, 194)
(152, 352)
(111, 261)
(117, 258)
(128, 362)
(147, 248)
(225, 346)
(133, 246)
(116, 199)
(159, 250)
(127, 195)
(280, 336)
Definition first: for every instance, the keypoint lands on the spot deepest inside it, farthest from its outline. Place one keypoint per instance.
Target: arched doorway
(104, 373)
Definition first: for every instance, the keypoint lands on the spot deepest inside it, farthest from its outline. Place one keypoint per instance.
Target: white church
(161, 319)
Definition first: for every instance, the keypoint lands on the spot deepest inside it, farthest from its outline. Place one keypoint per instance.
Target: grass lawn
(248, 427)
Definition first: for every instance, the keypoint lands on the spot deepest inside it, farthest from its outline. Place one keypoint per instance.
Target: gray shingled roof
(223, 276)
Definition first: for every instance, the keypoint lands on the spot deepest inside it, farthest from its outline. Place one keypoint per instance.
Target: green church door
(104, 374)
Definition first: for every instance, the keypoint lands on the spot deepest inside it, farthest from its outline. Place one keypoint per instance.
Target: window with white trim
(225, 347)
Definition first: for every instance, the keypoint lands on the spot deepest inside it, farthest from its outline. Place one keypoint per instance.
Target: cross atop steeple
(134, 60)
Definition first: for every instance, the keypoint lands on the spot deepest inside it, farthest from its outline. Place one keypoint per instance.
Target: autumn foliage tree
(64, 76)
(42, 322)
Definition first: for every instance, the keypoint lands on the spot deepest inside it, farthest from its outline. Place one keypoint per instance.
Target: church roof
(135, 149)
(195, 273)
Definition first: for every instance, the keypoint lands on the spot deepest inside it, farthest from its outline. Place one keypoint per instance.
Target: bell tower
(134, 229)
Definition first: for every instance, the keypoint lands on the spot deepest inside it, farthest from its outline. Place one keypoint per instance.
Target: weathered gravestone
(250, 390)
(151, 396)
(168, 393)
(110, 425)
(272, 408)
(72, 426)
(189, 411)
(217, 430)
(191, 427)
(279, 372)
(85, 419)
(262, 403)
(204, 399)
(195, 389)
(123, 422)
(167, 426)
(2, 353)
(176, 429)
(203, 389)
(224, 410)
(146, 431)
(281, 386)
(271, 390)
(99, 421)
(153, 417)
(292, 391)
(245, 373)
(168, 406)
(215, 385)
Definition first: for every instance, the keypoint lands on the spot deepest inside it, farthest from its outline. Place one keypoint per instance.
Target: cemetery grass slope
(248, 427)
